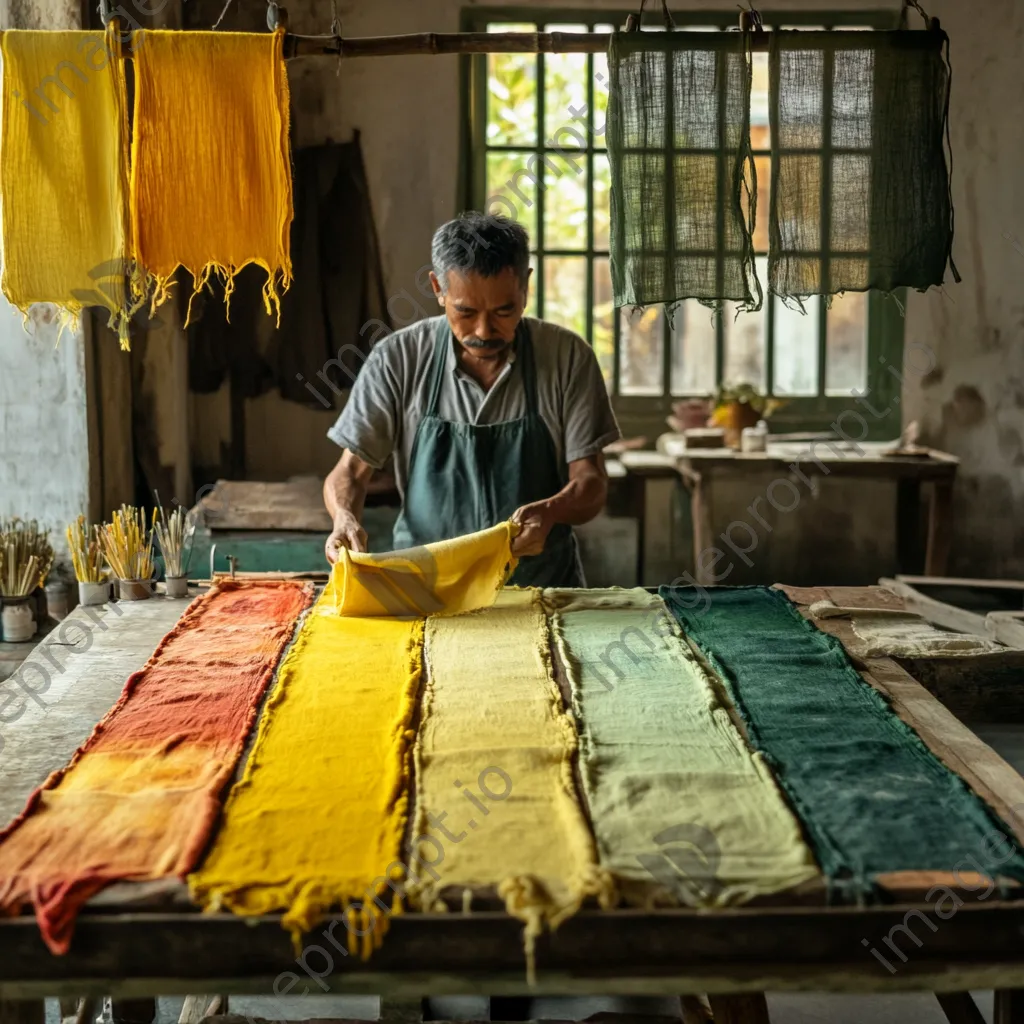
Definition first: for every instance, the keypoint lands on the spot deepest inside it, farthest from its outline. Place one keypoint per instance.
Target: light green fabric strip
(676, 796)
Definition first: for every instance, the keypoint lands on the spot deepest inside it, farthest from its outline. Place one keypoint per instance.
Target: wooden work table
(700, 469)
(146, 939)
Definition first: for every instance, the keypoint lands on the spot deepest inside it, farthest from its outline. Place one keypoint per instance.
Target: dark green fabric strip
(872, 797)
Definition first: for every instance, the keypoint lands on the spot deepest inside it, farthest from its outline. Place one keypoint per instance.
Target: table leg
(133, 1011)
(940, 529)
(701, 517)
(748, 1008)
(909, 549)
(638, 509)
(22, 1011)
(959, 1008)
(693, 1010)
(1009, 1006)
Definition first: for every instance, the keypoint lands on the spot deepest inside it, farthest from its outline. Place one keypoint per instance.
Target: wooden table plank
(50, 706)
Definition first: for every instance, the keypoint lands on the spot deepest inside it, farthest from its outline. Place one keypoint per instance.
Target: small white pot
(176, 586)
(134, 590)
(18, 623)
(93, 593)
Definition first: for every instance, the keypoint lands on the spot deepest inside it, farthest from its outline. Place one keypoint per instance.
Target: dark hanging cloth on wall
(683, 182)
(336, 307)
(860, 118)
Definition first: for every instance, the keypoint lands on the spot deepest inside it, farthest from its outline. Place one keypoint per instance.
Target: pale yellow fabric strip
(447, 577)
(63, 170)
(683, 810)
(317, 820)
(494, 727)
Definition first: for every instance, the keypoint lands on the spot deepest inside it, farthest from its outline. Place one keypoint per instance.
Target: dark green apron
(465, 477)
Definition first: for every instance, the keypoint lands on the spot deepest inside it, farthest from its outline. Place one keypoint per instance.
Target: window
(536, 152)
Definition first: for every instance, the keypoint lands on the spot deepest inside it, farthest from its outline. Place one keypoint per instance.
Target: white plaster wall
(972, 403)
(44, 438)
(44, 443)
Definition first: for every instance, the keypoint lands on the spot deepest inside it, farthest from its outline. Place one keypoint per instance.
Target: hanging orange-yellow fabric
(63, 173)
(211, 187)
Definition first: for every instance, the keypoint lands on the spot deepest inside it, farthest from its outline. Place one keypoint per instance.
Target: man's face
(483, 312)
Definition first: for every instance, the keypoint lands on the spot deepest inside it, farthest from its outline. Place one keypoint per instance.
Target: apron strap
(527, 367)
(442, 339)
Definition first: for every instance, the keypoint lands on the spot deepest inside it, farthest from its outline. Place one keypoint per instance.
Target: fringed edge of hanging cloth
(156, 289)
(308, 902)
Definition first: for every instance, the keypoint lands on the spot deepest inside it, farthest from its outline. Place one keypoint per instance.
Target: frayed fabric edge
(157, 288)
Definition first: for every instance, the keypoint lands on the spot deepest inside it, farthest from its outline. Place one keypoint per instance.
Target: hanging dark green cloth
(860, 194)
(334, 311)
(683, 184)
(872, 797)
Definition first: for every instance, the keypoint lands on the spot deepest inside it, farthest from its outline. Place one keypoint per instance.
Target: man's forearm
(579, 500)
(345, 487)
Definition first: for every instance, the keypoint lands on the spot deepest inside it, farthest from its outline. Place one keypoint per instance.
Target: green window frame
(646, 413)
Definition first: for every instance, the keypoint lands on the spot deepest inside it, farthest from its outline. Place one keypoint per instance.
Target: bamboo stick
(128, 545)
(173, 532)
(26, 557)
(86, 551)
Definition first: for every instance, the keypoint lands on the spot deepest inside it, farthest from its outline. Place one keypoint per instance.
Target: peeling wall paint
(972, 404)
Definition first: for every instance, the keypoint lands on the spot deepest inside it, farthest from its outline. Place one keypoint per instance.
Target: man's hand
(347, 533)
(535, 521)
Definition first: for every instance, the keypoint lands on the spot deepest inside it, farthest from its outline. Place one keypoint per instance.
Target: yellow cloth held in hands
(211, 187)
(317, 820)
(448, 577)
(63, 173)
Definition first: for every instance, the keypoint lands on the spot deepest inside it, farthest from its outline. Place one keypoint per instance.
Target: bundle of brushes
(86, 549)
(128, 545)
(173, 533)
(25, 557)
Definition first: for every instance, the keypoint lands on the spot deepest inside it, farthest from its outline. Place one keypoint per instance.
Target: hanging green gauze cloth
(683, 179)
(858, 118)
(873, 798)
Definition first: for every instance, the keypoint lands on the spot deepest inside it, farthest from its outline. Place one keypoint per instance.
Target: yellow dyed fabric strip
(495, 749)
(448, 577)
(63, 173)
(318, 817)
(211, 187)
(683, 810)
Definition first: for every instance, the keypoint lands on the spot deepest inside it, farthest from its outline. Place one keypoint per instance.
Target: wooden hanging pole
(449, 42)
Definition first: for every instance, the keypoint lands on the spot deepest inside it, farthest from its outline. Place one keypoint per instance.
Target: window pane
(853, 77)
(846, 353)
(511, 93)
(601, 90)
(602, 195)
(763, 165)
(603, 335)
(565, 202)
(801, 73)
(745, 340)
(512, 188)
(796, 348)
(565, 94)
(565, 292)
(693, 349)
(851, 202)
(760, 133)
(641, 345)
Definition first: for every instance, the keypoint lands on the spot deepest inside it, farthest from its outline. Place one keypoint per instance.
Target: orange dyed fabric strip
(140, 798)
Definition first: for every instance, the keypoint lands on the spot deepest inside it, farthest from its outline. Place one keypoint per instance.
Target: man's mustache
(484, 342)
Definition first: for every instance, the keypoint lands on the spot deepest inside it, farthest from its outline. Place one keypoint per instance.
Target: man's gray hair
(483, 243)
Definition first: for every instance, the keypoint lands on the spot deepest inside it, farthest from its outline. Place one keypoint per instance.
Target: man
(489, 415)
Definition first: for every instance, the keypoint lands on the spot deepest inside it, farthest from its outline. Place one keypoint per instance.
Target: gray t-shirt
(391, 393)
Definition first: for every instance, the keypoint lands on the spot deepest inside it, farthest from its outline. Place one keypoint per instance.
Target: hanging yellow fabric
(488, 734)
(63, 173)
(318, 818)
(211, 174)
(448, 577)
